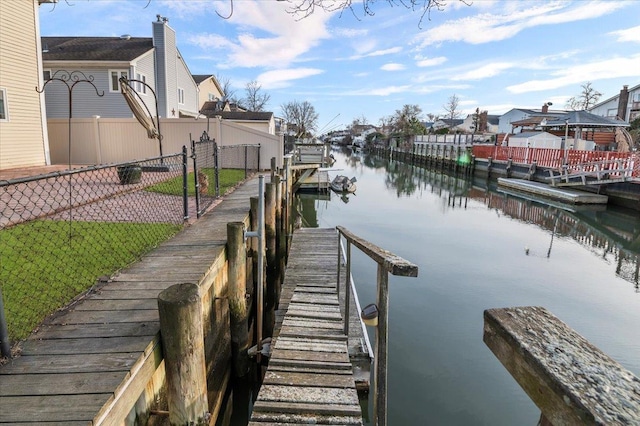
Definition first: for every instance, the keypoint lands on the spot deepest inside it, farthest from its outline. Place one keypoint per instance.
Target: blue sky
(495, 55)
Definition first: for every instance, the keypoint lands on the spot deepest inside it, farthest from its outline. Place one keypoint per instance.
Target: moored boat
(343, 184)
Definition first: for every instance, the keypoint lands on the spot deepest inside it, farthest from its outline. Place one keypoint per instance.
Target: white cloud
(392, 67)
(381, 91)
(431, 62)
(350, 32)
(384, 52)
(268, 35)
(485, 71)
(630, 34)
(590, 71)
(280, 78)
(489, 27)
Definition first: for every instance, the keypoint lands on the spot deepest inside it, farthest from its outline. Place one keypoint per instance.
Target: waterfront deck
(566, 195)
(90, 363)
(319, 181)
(310, 378)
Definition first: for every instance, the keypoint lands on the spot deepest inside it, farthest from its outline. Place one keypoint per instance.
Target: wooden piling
(180, 312)
(237, 286)
(271, 258)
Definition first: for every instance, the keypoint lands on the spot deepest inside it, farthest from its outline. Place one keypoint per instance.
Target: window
(212, 97)
(180, 96)
(46, 75)
(114, 75)
(4, 110)
(141, 88)
(612, 112)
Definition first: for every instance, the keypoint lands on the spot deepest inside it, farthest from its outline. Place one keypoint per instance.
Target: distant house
(624, 106)
(535, 140)
(23, 130)
(447, 123)
(470, 126)
(262, 121)
(209, 89)
(517, 115)
(154, 61)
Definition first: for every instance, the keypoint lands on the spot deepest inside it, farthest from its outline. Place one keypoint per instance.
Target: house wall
(86, 101)
(504, 125)
(186, 82)
(207, 87)
(609, 108)
(164, 40)
(117, 140)
(23, 135)
(261, 126)
(145, 65)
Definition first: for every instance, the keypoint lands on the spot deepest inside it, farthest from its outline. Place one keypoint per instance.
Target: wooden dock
(310, 378)
(571, 196)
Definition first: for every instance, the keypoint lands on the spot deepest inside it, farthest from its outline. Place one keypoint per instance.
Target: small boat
(343, 184)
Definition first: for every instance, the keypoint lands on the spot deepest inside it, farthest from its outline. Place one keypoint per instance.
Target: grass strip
(228, 179)
(44, 264)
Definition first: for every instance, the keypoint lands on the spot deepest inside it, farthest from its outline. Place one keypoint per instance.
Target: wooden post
(237, 290)
(273, 167)
(180, 312)
(571, 381)
(380, 360)
(253, 247)
(270, 243)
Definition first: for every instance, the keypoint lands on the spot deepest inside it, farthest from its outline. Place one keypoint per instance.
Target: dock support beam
(180, 312)
(237, 279)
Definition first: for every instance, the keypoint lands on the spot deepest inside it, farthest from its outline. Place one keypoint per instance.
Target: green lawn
(44, 264)
(228, 179)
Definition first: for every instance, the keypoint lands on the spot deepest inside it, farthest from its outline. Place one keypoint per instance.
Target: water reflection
(612, 234)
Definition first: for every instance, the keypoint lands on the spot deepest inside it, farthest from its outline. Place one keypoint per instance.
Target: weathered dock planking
(90, 363)
(310, 377)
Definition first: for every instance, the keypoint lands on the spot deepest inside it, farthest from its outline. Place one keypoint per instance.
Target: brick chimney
(623, 100)
(545, 107)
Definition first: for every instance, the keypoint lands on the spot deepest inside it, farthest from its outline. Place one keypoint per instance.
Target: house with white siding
(154, 61)
(518, 115)
(624, 106)
(23, 129)
(209, 89)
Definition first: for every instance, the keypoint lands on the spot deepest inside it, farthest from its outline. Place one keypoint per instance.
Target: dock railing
(388, 263)
(570, 380)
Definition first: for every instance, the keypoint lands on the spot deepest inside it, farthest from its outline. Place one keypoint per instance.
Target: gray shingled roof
(248, 115)
(585, 119)
(94, 48)
(199, 78)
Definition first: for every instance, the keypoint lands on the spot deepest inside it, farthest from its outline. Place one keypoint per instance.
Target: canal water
(477, 248)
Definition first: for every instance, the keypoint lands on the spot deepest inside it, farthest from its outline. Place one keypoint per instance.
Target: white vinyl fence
(116, 140)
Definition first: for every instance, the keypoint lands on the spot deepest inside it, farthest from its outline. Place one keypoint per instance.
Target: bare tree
(301, 9)
(451, 108)
(301, 117)
(586, 99)
(304, 8)
(255, 100)
(432, 117)
(228, 92)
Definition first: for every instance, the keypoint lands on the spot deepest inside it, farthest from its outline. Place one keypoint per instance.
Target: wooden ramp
(309, 378)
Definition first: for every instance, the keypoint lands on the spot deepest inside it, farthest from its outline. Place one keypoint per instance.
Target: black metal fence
(60, 232)
(238, 161)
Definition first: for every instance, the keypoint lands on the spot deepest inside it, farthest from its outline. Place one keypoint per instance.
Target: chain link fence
(209, 159)
(60, 232)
